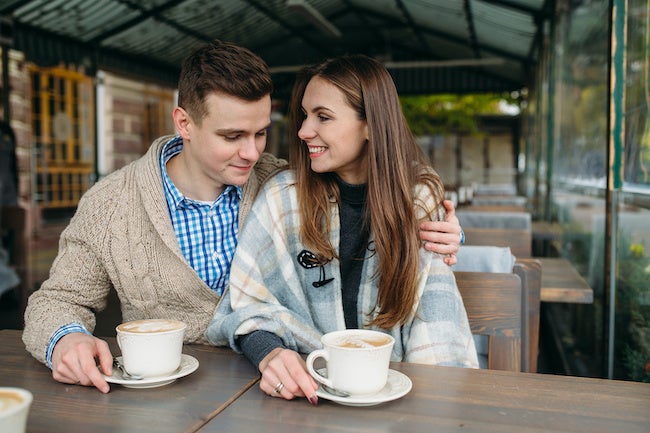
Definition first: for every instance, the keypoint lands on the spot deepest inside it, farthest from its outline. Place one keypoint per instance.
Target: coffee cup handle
(310, 366)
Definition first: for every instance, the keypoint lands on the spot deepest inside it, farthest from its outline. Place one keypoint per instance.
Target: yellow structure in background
(63, 122)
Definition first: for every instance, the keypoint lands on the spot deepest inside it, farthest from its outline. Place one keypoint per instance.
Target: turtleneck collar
(352, 194)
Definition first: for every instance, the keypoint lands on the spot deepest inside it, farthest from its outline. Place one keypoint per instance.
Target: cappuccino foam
(9, 399)
(147, 326)
(355, 342)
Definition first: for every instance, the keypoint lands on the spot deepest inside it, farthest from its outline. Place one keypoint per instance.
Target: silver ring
(278, 388)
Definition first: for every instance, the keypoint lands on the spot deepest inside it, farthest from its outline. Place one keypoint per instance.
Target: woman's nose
(305, 132)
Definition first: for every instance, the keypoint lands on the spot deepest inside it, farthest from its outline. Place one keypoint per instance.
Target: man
(162, 231)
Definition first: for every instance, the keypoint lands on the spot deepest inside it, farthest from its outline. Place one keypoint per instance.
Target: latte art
(356, 342)
(151, 326)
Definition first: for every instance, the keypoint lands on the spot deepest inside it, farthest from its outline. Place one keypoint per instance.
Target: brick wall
(126, 115)
(20, 121)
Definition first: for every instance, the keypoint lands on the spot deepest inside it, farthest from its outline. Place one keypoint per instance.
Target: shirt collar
(175, 197)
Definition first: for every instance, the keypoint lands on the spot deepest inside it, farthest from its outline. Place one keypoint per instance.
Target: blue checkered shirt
(206, 232)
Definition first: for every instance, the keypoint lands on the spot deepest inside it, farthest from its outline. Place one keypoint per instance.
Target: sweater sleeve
(258, 344)
(78, 284)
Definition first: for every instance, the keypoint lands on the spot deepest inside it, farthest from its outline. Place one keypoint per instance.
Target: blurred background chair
(473, 258)
(518, 240)
(501, 220)
(500, 260)
(529, 271)
(494, 310)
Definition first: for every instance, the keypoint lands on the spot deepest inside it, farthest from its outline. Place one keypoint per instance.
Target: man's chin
(239, 180)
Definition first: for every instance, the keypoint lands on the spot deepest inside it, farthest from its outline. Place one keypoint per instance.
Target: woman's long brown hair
(396, 165)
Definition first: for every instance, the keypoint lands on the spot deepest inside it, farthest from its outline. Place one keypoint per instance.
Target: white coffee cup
(14, 408)
(151, 347)
(357, 361)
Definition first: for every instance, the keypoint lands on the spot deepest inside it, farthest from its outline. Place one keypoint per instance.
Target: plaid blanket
(275, 287)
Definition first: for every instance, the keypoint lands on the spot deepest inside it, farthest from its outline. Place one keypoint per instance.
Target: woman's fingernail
(313, 400)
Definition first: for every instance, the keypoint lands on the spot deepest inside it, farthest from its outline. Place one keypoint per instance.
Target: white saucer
(398, 385)
(188, 365)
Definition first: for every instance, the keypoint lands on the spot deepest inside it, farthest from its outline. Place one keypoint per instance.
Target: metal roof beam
(49, 49)
(365, 21)
(7, 10)
(515, 6)
(144, 15)
(158, 17)
(409, 19)
(290, 28)
(471, 31)
(443, 35)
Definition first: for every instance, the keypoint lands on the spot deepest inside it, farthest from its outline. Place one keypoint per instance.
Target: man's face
(227, 143)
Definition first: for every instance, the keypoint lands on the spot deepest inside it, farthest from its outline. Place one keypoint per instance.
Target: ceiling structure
(430, 46)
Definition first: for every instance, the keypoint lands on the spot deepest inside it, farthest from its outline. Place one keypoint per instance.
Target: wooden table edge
(212, 415)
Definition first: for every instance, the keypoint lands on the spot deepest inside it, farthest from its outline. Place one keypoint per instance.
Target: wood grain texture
(530, 272)
(561, 282)
(494, 307)
(184, 405)
(446, 400)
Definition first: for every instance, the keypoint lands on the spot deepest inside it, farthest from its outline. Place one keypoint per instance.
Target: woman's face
(334, 134)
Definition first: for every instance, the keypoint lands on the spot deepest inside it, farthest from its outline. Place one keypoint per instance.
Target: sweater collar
(351, 194)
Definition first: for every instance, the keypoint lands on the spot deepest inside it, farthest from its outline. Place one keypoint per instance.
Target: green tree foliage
(451, 114)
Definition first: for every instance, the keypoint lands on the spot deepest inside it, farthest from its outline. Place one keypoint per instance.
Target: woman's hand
(443, 237)
(284, 374)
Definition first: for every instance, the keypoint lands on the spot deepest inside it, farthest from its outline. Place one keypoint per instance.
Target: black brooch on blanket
(308, 260)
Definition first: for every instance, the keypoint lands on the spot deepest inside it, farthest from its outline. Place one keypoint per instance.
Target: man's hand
(443, 237)
(284, 374)
(74, 361)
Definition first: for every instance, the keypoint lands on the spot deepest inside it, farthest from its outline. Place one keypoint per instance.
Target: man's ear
(182, 121)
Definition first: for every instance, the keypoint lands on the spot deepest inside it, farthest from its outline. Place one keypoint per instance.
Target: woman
(332, 243)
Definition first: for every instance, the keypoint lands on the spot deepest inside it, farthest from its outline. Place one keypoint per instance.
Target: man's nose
(250, 149)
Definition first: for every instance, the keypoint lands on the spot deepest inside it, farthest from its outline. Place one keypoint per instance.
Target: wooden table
(561, 282)
(499, 200)
(492, 208)
(221, 396)
(445, 399)
(183, 406)
(544, 233)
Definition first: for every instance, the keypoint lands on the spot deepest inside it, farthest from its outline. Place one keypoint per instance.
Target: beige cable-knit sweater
(121, 236)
